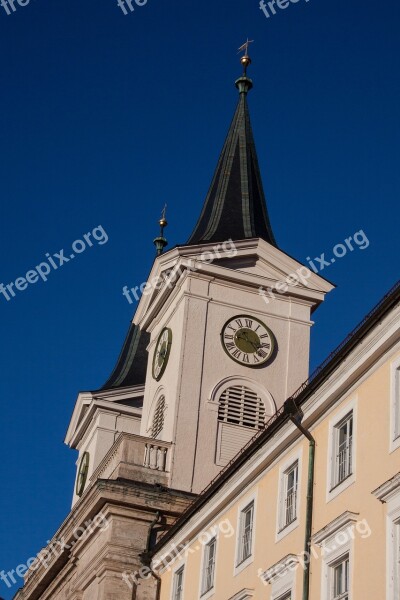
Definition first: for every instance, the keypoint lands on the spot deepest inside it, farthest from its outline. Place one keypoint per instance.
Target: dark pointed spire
(235, 205)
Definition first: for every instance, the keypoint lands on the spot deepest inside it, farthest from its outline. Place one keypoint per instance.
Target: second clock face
(161, 353)
(247, 340)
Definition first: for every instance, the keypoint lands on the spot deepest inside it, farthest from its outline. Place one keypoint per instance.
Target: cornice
(387, 490)
(344, 520)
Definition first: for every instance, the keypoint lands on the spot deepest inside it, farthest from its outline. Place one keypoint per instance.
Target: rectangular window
(340, 580)
(289, 488)
(209, 566)
(397, 403)
(178, 584)
(343, 450)
(246, 533)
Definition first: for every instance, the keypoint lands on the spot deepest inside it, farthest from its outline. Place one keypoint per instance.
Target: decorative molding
(244, 594)
(280, 568)
(342, 522)
(385, 491)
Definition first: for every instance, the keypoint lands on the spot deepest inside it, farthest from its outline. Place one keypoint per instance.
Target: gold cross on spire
(245, 47)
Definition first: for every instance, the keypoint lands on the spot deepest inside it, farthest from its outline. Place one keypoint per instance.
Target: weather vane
(245, 47)
(245, 60)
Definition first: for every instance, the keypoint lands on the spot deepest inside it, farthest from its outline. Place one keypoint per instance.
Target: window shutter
(158, 418)
(240, 413)
(239, 405)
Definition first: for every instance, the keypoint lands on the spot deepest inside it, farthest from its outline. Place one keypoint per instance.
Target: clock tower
(209, 358)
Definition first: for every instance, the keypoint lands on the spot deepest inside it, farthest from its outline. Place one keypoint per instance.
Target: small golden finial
(163, 221)
(160, 242)
(245, 59)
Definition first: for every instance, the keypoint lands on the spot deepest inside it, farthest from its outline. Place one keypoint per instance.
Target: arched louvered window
(239, 405)
(158, 418)
(241, 412)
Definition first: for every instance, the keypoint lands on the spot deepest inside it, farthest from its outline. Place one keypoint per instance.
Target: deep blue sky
(106, 117)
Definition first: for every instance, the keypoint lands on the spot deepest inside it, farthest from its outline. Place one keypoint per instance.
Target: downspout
(155, 522)
(296, 416)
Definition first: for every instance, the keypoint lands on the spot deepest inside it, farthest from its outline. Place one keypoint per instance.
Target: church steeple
(235, 206)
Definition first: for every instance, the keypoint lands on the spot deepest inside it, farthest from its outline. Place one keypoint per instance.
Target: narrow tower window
(158, 418)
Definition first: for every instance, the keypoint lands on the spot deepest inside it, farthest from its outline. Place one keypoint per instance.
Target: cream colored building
(243, 537)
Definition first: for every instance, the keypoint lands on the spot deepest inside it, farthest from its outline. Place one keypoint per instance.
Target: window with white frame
(287, 596)
(343, 450)
(178, 584)
(289, 487)
(246, 533)
(209, 566)
(337, 546)
(340, 579)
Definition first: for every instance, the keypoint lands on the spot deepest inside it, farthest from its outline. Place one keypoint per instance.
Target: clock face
(82, 474)
(247, 340)
(161, 353)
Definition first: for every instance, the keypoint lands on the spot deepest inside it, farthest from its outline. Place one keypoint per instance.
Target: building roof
(320, 375)
(132, 362)
(235, 206)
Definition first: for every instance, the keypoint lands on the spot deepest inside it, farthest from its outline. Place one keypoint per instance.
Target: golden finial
(160, 242)
(245, 59)
(163, 221)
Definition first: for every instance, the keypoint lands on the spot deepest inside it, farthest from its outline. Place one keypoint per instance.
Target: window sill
(281, 533)
(340, 487)
(208, 594)
(394, 444)
(242, 565)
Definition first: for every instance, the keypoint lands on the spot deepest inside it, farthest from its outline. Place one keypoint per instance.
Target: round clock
(82, 474)
(161, 353)
(247, 340)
